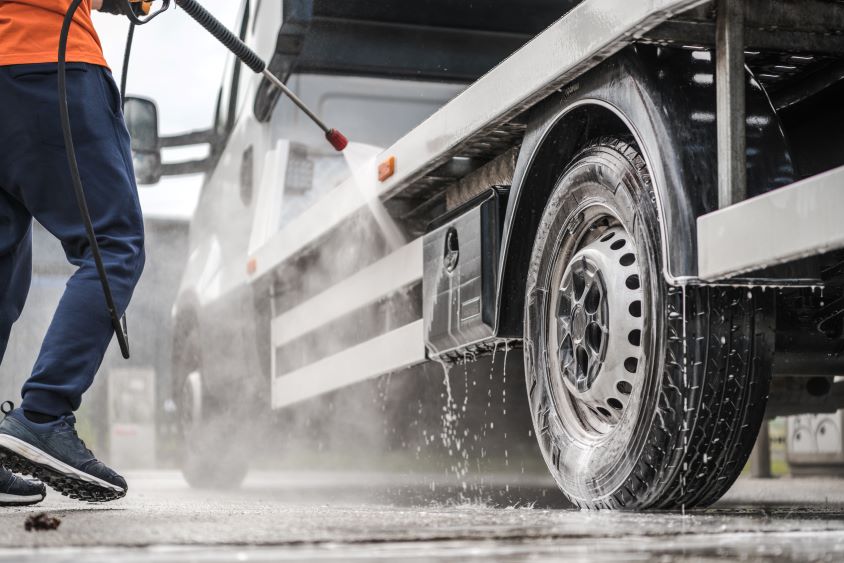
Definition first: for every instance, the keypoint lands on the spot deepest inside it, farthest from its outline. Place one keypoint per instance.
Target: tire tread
(715, 380)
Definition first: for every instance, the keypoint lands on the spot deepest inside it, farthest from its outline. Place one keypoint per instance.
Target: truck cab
(268, 164)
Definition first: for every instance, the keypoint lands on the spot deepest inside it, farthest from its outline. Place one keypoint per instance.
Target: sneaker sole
(20, 457)
(20, 500)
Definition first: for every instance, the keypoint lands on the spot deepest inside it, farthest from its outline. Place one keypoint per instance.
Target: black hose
(222, 33)
(126, 55)
(119, 328)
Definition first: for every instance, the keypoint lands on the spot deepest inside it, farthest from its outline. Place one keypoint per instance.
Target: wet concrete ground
(324, 517)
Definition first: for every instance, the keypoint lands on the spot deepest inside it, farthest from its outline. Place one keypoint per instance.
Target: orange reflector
(251, 266)
(386, 169)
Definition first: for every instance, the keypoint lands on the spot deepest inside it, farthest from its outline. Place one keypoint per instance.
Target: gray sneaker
(54, 454)
(15, 491)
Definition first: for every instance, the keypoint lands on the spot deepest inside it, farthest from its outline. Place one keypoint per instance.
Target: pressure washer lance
(140, 12)
(253, 61)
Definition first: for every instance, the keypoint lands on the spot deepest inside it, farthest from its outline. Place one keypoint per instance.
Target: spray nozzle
(337, 140)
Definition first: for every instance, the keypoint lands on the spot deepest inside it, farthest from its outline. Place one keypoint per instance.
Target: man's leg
(81, 329)
(40, 439)
(15, 263)
(15, 276)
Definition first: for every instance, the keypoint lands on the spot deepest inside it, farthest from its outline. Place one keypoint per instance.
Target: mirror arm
(186, 139)
(187, 167)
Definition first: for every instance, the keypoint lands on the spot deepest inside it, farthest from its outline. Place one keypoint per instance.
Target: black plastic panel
(488, 15)
(423, 39)
(461, 255)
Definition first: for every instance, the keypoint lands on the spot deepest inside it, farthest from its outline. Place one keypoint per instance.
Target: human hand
(108, 6)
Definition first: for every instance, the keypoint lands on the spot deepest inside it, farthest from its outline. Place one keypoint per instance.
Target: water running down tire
(643, 395)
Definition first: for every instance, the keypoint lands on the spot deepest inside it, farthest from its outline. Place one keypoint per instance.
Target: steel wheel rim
(595, 326)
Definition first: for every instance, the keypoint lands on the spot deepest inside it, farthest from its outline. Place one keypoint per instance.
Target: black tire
(213, 448)
(696, 382)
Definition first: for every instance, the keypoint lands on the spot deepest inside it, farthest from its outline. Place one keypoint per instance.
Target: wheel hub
(597, 311)
(581, 326)
(579, 323)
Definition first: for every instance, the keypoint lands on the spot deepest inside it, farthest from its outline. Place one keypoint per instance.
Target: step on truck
(646, 197)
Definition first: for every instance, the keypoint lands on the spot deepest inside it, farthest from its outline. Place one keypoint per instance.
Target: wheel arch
(665, 99)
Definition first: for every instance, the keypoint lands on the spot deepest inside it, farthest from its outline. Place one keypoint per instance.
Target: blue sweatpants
(35, 183)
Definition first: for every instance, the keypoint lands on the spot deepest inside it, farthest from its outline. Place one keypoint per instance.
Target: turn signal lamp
(387, 169)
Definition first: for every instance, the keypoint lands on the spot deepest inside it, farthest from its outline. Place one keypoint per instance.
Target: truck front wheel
(643, 395)
(213, 451)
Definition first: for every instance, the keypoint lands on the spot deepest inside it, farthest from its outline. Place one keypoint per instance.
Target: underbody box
(461, 253)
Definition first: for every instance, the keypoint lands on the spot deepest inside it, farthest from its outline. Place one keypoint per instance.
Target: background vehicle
(566, 203)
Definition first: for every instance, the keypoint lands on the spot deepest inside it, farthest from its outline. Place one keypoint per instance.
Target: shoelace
(70, 421)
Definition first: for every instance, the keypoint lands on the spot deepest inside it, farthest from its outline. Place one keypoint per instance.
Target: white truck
(646, 197)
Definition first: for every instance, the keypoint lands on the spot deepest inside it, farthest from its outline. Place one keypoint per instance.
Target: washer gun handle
(253, 61)
(141, 7)
(140, 12)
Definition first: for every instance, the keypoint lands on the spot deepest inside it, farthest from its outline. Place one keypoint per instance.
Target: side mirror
(141, 116)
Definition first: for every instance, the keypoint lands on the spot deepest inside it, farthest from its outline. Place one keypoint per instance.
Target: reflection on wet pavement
(331, 518)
